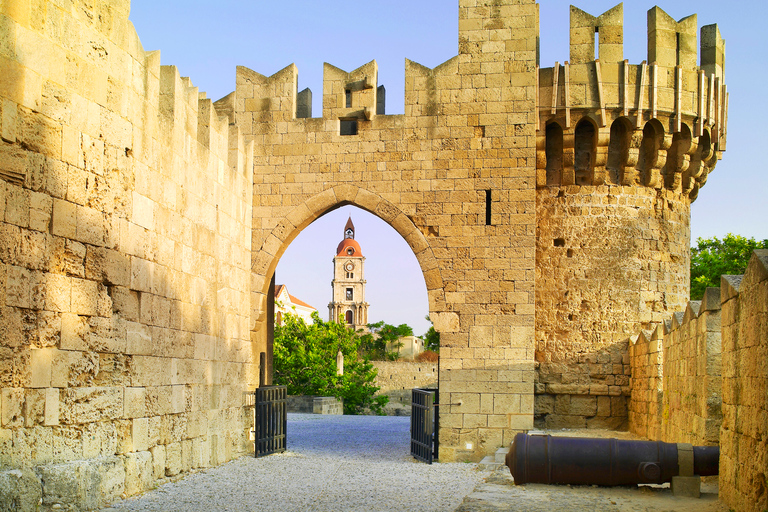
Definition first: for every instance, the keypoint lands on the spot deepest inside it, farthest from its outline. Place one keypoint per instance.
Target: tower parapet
(661, 123)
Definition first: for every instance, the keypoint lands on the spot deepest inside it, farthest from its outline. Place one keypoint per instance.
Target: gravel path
(334, 463)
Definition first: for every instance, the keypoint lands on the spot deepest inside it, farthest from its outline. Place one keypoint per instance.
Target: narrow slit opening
(597, 43)
(488, 207)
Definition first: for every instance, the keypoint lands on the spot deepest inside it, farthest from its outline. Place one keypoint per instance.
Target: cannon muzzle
(585, 461)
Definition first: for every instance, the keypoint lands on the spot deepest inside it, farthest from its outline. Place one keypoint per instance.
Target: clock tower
(348, 299)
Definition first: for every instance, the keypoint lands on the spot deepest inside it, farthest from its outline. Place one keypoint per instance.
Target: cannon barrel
(585, 461)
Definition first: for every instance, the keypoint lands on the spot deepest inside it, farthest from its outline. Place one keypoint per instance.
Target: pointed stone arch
(266, 258)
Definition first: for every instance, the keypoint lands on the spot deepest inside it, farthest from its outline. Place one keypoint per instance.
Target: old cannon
(584, 461)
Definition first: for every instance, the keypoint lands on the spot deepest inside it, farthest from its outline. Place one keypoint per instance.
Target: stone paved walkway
(498, 493)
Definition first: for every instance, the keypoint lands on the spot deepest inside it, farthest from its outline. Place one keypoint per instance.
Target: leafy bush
(712, 258)
(431, 338)
(374, 344)
(305, 361)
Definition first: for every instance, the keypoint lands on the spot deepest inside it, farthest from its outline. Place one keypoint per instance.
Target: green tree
(305, 361)
(431, 338)
(712, 258)
(374, 344)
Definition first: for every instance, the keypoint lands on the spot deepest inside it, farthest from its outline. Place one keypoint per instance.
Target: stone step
(493, 462)
(488, 463)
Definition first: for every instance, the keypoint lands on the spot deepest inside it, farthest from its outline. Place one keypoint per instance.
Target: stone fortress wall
(396, 379)
(125, 209)
(142, 223)
(700, 378)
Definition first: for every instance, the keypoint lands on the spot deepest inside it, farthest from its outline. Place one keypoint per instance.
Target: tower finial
(349, 229)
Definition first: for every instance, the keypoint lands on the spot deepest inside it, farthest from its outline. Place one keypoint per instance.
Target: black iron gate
(271, 419)
(424, 424)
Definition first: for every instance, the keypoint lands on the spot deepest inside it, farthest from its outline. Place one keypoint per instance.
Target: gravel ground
(334, 463)
(362, 463)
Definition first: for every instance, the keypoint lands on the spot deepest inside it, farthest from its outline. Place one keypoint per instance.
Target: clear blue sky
(207, 40)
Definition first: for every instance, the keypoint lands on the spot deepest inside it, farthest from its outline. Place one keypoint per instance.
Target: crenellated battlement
(600, 120)
(660, 124)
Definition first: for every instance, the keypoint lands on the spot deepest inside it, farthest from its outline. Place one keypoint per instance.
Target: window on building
(349, 294)
(350, 275)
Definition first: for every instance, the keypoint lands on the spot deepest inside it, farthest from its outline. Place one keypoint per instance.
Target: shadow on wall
(589, 392)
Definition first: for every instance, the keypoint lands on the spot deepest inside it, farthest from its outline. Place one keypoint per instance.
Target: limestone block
(18, 290)
(84, 297)
(108, 266)
(58, 293)
(17, 206)
(12, 403)
(158, 461)
(134, 405)
(84, 405)
(142, 274)
(140, 434)
(139, 339)
(40, 367)
(172, 459)
(111, 470)
(139, 473)
(64, 220)
(125, 303)
(143, 211)
(74, 332)
(20, 490)
(187, 461)
(90, 228)
(8, 121)
(51, 407)
(65, 257)
(34, 407)
(70, 482)
(71, 368)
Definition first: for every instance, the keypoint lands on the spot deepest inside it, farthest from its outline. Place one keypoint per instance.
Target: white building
(287, 303)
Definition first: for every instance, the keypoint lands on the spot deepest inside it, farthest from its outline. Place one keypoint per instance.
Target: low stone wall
(744, 432)
(676, 383)
(700, 378)
(692, 381)
(646, 357)
(396, 380)
(308, 404)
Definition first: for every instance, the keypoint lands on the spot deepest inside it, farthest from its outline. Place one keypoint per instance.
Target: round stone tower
(622, 151)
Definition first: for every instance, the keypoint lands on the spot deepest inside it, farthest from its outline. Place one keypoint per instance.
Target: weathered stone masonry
(701, 378)
(125, 246)
(140, 226)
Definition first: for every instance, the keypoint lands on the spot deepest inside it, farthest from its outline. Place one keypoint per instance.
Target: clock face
(349, 266)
